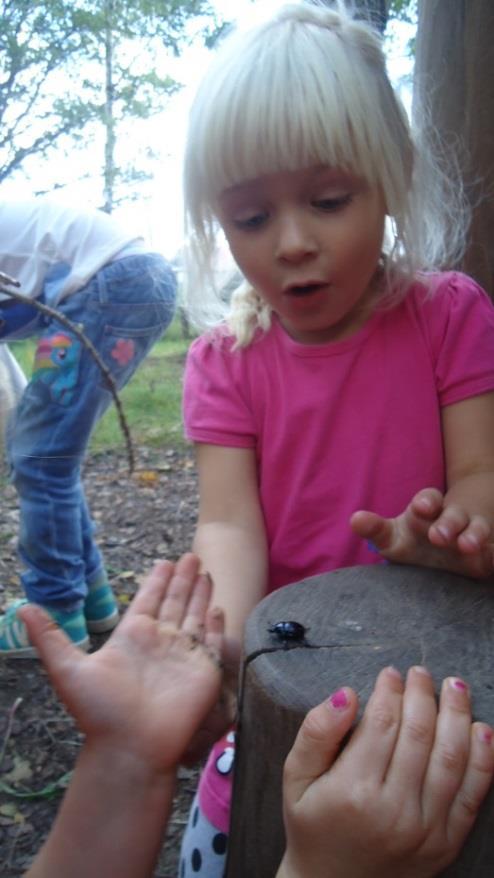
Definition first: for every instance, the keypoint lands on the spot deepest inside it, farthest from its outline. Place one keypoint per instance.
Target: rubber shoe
(100, 608)
(14, 640)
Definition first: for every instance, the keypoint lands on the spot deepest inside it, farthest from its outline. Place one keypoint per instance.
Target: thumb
(55, 649)
(317, 743)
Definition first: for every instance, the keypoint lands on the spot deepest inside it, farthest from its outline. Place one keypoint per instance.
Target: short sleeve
(215, 403)
(460, 325)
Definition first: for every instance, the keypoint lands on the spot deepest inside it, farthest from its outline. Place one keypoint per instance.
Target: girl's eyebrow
(316, 175)
(339, 175)
(236, 195)
(239, 188)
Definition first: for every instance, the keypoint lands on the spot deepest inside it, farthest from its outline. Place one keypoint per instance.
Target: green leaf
(47, 792)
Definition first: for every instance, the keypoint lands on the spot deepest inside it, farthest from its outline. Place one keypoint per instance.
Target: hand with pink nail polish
(399, 800)
(450, 532)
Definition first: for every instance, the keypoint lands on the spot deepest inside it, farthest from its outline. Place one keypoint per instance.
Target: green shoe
(14, 640)
(100, 608)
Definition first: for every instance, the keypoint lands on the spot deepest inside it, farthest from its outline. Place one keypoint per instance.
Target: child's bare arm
(139, 699)
(230, 537)
(400, 799)
(454, 531)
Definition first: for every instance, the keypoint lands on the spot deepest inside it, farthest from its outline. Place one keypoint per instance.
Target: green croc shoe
(14, 640)
(100, 608)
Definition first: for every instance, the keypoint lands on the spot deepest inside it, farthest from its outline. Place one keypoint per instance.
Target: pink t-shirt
(338, 427)
(352, 424)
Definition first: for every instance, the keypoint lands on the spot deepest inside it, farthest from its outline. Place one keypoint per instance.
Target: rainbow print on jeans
(56, 364)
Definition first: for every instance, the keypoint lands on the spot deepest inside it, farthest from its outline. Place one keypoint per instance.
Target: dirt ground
(140, 518)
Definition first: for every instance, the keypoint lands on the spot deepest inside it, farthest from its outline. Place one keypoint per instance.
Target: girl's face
(309, 242)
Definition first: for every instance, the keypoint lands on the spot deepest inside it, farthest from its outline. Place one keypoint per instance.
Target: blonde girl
(341, 402)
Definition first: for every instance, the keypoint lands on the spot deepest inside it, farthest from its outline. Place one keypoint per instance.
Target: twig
(76, 329)
(8, 731)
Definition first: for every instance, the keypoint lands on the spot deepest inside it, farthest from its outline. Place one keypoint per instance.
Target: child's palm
(147, 688)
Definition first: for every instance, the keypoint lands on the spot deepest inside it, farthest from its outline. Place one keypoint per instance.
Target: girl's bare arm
(230, 538)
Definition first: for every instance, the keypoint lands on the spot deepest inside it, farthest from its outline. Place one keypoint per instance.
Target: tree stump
(358, 620)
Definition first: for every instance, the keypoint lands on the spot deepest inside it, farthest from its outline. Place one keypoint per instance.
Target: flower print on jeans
(123, 351)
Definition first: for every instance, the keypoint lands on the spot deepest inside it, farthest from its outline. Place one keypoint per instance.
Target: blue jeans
(123, 310)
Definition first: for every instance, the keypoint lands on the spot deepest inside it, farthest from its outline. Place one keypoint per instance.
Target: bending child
(342, 403)
(142, 697)
(105, 279)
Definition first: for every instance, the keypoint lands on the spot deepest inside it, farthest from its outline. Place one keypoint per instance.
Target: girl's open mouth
(305, 289)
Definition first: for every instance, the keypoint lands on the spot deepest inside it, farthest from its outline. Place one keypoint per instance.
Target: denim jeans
(123, 310)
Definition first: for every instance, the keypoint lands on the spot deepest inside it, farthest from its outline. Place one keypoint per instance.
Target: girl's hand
(146, 691)
(400, 799)
(431, 534)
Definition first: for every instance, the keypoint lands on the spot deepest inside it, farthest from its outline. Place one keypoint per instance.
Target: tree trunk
(109, 120)
(357, 620)
(454, 80)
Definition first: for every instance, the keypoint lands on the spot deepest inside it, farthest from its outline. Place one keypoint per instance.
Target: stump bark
(358, 620)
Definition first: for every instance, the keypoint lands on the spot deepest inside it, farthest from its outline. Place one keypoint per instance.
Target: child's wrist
(131, 767)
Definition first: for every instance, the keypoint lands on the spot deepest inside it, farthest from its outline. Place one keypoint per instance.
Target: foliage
(383, 11)
(55, 77)
(403, 10)
(36, 39)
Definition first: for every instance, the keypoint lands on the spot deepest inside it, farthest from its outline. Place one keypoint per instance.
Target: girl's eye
(249, 223)
(332, 204)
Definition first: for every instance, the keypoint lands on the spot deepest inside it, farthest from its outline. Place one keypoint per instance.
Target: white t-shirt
(38, 235)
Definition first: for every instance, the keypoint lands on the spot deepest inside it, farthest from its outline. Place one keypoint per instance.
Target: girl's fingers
(371, 748)
(55, 649)
(214, 633)
(416, 736)
(317, 742)
(428, 503)
(476, 536)
(180, 588)
(476, 782)
(197, 606)
(445, 530)
(371, 526)
(450, 752)
(151, 592)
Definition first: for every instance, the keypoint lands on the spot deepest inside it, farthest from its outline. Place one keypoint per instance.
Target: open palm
(153, 682)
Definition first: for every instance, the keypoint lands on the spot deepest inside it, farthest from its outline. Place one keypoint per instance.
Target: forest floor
(140, 518)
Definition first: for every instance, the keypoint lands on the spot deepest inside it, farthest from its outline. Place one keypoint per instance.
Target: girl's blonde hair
(309, 87)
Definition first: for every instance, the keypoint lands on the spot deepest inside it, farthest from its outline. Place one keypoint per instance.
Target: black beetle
(288, 631)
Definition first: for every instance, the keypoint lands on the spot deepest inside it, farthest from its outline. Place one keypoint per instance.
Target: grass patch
(151, 400)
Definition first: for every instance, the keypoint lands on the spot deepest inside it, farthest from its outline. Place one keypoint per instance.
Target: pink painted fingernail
(486, 735)
(339, 699)
(458, 684)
